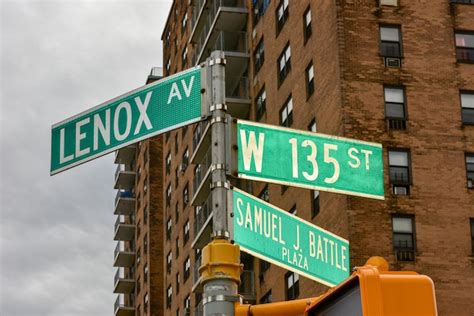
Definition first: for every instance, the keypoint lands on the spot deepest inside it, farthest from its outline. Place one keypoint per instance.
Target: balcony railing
(231, 41)
(124, 230)
(124, 202)
(123, 284)
(203, 216)
(124, 177)
(123, 257)
(125, 155)
(196, 266)
(122, 309)
(239, 89)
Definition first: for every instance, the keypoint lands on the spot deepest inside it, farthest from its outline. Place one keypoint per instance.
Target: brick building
(400, 73)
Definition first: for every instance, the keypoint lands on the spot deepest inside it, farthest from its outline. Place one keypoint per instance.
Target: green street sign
(309, 160)
(153, 109)
(276, 236)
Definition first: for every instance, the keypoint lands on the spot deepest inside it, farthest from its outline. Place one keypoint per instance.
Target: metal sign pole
(220, 270)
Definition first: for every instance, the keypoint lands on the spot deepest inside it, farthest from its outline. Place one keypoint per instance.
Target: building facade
(395, 72)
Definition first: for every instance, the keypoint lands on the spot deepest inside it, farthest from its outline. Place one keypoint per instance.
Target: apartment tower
(395, 72)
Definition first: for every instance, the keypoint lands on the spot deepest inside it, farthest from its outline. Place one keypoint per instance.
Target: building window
(176, 212)
(169, 226)
(307, 24)
(168, 69)
(186, 232)
(403, 238)
(187, 268)
(315, 208)
(463, 1)
(145, 214)
(177, 247)
(292, 285)
(145, 303)
(139, 287)
(282, 14)
(267, 298)
(185, 196)
(472, 236)
(184, 22)
(176, 178)
(187, 305)
(395, 107)
(177, 282)
(313, 127)
(399, 171)
(168, 163)
(259, 8)
(145, 273)
(185, 162)
(168, 195)
(185, 57)
(284, 64)
(286, 113)
(176, 143)
(260, 103)
(197, 135)
(390, 41)
(259, 56)
(138, 255)
(309, 80)
(467, 107)
(465, 47)
(264, 195)
(145, 243)
(169, 261)
(470, 170)
(293, 210)
(169, 296)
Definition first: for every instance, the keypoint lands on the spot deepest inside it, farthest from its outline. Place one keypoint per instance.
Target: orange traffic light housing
(372, 290)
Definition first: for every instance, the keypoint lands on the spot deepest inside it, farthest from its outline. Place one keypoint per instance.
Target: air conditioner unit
(399, 190)
(393, 62)
(470, 184)
(389, 2)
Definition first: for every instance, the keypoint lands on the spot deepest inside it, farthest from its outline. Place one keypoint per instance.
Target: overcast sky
(59, 58)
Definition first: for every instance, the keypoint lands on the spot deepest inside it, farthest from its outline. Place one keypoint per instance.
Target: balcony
(247, 287)
(124, 178)
(234, 45)
(124, 230)
(220, 14)
(124, 202)
(123, 257)
(202, 180)
(123, 284)
(237, 96)
(196, 276)
(122, 309)
(203, 225)
(125, 155)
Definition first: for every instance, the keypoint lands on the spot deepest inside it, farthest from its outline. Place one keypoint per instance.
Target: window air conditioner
(397, 190)
(393, 62)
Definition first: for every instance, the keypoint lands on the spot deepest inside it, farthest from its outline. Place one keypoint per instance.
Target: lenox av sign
(142, 113)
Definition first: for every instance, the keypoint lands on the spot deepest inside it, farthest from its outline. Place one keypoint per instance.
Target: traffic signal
(371, 290)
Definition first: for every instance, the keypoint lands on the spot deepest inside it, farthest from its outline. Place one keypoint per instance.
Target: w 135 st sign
(309, 160)
(148, 111)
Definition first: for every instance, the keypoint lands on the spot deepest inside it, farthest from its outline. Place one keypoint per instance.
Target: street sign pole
(220, 271)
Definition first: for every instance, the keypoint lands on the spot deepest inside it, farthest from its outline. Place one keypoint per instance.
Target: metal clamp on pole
(220, 106)
(218, 119)
(217, 61)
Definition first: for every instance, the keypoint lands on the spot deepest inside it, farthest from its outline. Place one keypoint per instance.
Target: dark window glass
(470, 170)
(465, 47)
(284, 64)
(472, 235)
(463, 1)
(467, 107)
(185, 195)
(307, 24)
(292, 285)
(259, 56)
(282, 14)
(286, 113)
(187, 268)
(186, 232)
(314, 203)
(169, 227)
(264, 195)
(403, 238)
(168, 163)
(267, 298)
(390, 41)
(399, 171)
(309, 80)
(259, 8)
(395, 107)
(260, 103)
(169, 296)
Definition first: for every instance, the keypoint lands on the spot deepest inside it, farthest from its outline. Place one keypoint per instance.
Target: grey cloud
(59, 58)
